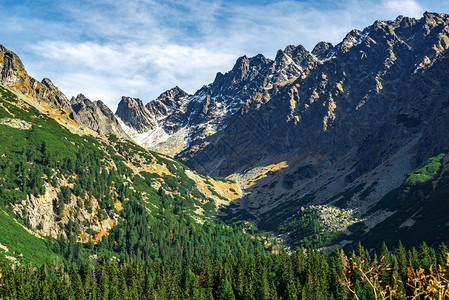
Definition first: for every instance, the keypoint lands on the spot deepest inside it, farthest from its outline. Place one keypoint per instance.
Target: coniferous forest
(305, 274)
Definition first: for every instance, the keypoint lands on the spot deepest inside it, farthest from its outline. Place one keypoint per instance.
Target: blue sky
(106, 49)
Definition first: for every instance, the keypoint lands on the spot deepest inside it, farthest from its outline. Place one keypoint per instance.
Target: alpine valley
(345, 145)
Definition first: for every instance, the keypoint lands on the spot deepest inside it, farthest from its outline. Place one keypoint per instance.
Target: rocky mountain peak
(240, 62)
(134, 114)
(12, 69)
(244, 66)
(96, 116)
(435, 18)
(13, 74)
(288, 51)
(173, 97)
(405, 22)
(289, 64)
(80, 98)
(281, 55)
(174, 92)
(351, 38)
(323, 50)
(60, 99)
(299, 54)
(167, 102)
(49, 84)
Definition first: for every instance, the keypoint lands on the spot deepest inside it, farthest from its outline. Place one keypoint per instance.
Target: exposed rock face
(169, 110)
(134, 114)
(323, 50)
(96, 115)
(16, 123)
(12, 69)
(40, 212)
(13, 75)
(367, 115)
(184, 118)
(289, 64)
(59, 99)
(167, 103)
(381, 85)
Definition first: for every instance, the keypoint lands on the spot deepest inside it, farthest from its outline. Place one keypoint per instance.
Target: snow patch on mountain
(147, 139)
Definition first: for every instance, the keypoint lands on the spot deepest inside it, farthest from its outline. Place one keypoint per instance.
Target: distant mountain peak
(96, 116)
(134, 114)
(168, 101)
(323, 50)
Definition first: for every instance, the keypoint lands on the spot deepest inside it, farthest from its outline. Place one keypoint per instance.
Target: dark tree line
(304, 274)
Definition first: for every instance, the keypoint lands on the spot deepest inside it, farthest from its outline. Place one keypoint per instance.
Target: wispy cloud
(109, 48)
(409, 8)
(110, 71)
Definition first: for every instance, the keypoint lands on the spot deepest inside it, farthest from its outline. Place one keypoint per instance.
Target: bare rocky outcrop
(96, 116)
(134, 114)
(41, 213)
(16, 123)
(167, 103)
(14, 75)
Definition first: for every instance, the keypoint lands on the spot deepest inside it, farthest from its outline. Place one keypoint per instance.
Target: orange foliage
(202, 280)
(425, 284)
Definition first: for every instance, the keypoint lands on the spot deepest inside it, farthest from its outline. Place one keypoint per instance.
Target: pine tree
(225, 291)
(401, 255)
(385, 263)
(76, 284)
(337, 267)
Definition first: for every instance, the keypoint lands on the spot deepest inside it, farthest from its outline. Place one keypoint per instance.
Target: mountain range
(352, 136)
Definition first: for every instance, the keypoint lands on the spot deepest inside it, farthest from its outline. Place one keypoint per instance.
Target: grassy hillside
(16, 241)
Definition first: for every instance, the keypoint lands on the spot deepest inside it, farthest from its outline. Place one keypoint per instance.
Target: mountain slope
(342, 125)
(345, 133)
(321, 143)
(94, 194)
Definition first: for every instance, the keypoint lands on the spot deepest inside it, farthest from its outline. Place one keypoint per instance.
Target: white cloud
(409, 8)
(140, 48)
(110, 71)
